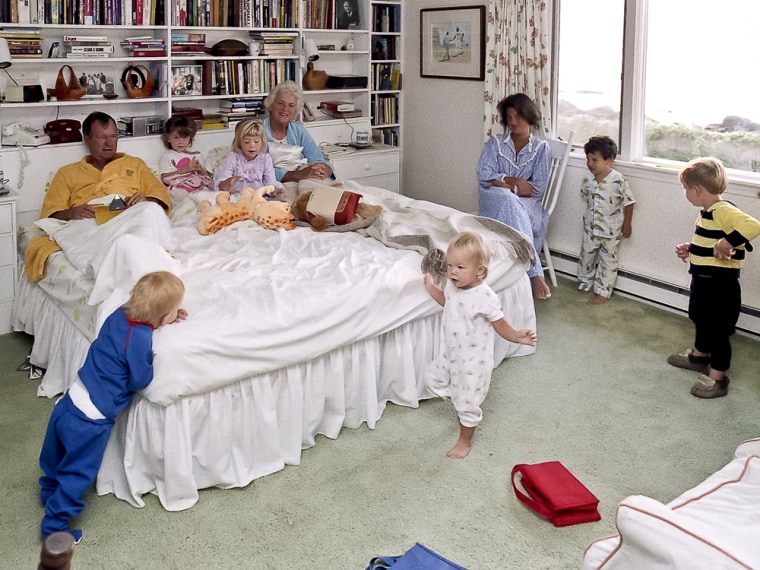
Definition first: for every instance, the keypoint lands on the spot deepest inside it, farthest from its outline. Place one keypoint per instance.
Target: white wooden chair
(560, 155)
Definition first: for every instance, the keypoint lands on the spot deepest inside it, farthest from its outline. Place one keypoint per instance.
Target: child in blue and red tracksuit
(119, 362)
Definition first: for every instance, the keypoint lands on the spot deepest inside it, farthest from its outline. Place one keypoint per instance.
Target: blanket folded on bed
(411, 228)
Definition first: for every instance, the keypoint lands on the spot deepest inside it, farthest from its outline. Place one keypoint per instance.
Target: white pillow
(287, 156)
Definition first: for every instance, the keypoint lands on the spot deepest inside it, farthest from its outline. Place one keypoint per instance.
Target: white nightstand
(376, 166)
(8, 259)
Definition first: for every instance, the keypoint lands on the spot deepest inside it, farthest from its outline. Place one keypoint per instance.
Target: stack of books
(86, 46)
(144, 46)
(340, 109)
(274, 43)
(239, 109)
(23, 43)
(212, 121)
(188, 42)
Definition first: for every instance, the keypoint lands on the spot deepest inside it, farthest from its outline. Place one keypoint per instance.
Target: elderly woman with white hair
(294, 153)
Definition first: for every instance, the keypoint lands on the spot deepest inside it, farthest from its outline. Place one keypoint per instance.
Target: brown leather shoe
(688, 361)
(707, 388)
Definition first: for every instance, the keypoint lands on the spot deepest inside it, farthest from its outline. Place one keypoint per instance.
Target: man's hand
(83, 212)
(135, 198)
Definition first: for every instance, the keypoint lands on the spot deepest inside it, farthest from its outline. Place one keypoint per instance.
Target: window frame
(631, 126)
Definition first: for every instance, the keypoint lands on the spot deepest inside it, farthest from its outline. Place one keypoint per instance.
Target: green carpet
(597, 396)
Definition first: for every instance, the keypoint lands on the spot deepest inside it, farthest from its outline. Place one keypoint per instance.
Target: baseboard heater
(657, 293)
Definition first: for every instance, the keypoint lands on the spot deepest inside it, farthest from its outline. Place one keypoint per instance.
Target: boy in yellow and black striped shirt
(715, 254)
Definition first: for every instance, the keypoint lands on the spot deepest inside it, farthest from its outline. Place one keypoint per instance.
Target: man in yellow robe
(102, 172)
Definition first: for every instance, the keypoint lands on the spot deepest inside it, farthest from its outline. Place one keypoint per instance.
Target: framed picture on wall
(453, 42)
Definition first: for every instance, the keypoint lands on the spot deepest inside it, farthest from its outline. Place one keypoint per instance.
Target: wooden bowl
(314, 79)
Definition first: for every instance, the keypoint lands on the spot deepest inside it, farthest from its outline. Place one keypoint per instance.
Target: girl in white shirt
(180, 167)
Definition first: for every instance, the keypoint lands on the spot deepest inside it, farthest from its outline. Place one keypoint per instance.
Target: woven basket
(134, 91)
(68, 90)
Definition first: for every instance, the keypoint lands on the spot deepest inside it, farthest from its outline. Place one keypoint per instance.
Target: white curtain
(517, 57)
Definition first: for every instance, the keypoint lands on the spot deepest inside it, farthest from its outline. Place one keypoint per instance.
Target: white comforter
(259, 300)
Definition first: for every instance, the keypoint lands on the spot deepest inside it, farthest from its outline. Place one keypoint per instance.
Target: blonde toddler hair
(474, 245)
(154, 296)
(707, 172)
(249, 128)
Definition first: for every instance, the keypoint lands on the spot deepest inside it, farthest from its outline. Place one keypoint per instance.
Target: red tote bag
(553, 492)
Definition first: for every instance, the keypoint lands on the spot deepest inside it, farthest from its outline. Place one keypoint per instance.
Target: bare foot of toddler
(460, 450)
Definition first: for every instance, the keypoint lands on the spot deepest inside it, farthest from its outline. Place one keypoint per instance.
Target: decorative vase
(314, 79)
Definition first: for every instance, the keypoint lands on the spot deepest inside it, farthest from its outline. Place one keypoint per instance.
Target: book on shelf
(188, 37)
(143, 42)
(93, 55)
(343, 114)
(240, 103)
(195, 48)
(337, 105)
(212, 121)
(88, 49)
(194, 113)
(68, 38)
(148, 53)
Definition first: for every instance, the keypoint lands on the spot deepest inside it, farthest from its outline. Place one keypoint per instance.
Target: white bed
(290, 334)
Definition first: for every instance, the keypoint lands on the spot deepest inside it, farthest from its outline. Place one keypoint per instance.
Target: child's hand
(275, 193)
(435, 291)
(682, 252)
(626, 230)
(525, 336)
(229, 184)
(181, 315)
(723, 249)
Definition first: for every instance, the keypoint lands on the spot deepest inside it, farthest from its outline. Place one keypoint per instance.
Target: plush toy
(331, 205)
(434, 264)
(251, 205)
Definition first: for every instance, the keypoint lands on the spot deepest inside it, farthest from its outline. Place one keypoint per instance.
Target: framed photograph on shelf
(453, 42)
(99, 81)
(186, 80)
(347, 15)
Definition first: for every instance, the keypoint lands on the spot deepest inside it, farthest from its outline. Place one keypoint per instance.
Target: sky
(688, 80)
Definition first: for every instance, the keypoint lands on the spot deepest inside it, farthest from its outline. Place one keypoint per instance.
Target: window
(698, 89)
(590, 60)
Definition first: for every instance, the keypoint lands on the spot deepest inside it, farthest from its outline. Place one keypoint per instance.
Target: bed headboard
(31, 169)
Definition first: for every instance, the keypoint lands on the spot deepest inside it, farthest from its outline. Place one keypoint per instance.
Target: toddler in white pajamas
(471, 314)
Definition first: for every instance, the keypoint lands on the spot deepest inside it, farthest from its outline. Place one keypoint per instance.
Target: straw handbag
(144, 86)
(70, 90)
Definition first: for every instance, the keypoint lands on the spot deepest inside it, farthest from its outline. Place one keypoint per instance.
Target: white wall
(443, 125)
(442, 140)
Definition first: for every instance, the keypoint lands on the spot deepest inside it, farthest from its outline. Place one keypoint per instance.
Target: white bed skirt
(232, 435)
